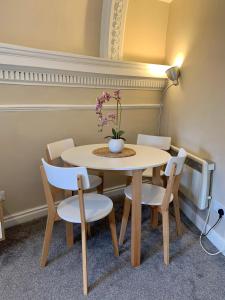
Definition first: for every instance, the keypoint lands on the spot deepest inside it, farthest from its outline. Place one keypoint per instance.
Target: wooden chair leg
(47, 240)
(88, 225)
(164, 180)
(84, 259)
(126, 213)
(154, 217)
(69, 234)
(112, 225)
(100, 188)
(165, 221)
(177, 214)
(128, 180)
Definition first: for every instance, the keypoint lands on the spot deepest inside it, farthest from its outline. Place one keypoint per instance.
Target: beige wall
(194, 111)
(145, 31)
(72, 26)
(24, 135)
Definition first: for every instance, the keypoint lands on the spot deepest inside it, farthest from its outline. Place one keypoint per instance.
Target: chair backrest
(182, 153)
(54, 150)
(173, 169)
(66, 178)
(161, 142)
(178, 161)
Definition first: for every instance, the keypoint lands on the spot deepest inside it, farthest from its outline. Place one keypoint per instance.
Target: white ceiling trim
(28, 66)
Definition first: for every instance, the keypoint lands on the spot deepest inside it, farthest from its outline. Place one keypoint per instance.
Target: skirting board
(40, 211)
(216, 239)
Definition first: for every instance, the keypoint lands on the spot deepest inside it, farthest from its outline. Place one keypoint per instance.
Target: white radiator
(196, 179)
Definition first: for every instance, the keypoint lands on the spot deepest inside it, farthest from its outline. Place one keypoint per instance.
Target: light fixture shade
(173, 74)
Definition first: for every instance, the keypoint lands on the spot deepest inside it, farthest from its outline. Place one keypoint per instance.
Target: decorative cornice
(119, 12)
(60, 107)
(112, 28)
(28, 66)
(73, 80)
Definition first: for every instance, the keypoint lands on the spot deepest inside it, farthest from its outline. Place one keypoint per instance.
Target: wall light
(173, 74)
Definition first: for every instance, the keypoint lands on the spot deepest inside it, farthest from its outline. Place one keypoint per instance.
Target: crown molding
(28, 66)
(10, 75)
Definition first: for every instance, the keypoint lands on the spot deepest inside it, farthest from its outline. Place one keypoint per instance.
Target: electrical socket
(217, 205)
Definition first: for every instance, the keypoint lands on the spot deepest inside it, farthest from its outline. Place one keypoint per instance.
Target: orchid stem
(117, 118)
(120, 115)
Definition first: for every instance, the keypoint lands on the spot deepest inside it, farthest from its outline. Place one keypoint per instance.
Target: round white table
(146, 157)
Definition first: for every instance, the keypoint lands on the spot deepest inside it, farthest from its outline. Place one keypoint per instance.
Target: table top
(145, 157)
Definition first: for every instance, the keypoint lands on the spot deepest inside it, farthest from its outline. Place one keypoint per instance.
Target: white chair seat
(149, 173)
(94, 181)
(97, 206)
(150, 194)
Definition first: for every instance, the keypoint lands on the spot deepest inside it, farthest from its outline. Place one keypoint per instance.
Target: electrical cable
(217, 222)
(160, 108)
(204, 234)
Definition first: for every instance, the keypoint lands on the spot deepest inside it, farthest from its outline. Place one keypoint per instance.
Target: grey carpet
(192, 274)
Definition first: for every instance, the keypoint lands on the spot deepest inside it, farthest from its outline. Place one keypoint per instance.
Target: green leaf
(121, 132)
(114, 133)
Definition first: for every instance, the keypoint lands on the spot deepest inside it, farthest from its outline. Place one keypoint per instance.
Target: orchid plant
(113, 118)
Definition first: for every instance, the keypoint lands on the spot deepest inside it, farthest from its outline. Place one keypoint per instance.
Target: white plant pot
(116, 145)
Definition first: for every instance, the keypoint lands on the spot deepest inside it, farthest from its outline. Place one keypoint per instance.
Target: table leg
(136, 218)
(156, 178)
(100, 188)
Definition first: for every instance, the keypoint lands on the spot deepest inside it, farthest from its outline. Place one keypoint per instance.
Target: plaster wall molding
(28, 66)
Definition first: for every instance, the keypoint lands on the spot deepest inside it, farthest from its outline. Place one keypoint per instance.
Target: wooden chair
(81, 208)
(176, 205)
(159, 198)
(160, 142)
(54, 151)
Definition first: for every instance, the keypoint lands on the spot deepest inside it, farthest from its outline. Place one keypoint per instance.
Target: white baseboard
(25, 216)
(40, 211)
(216, 239)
